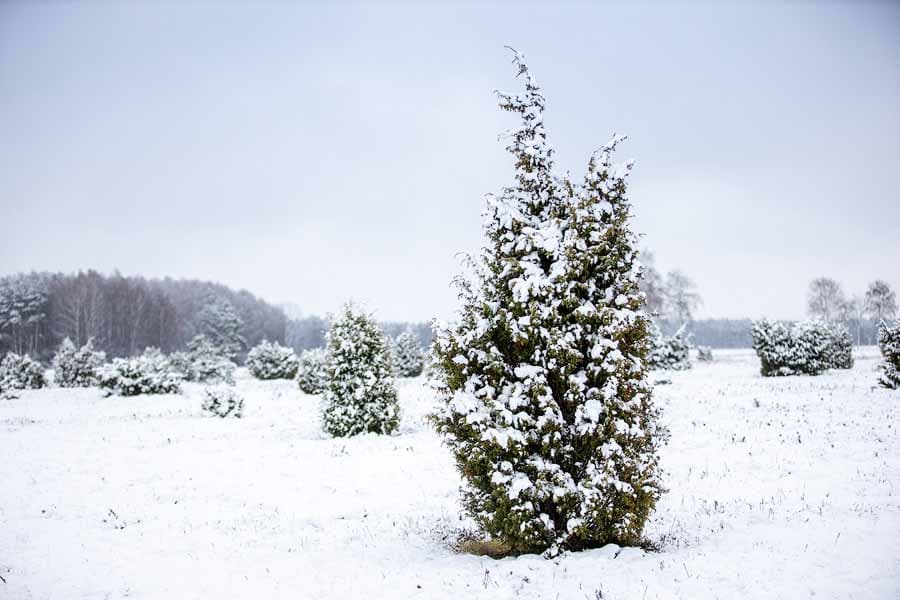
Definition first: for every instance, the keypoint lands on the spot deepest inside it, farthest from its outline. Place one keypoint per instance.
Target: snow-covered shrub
(669, 352)
(77, 367)
(802, 349)
(204, 362)
(223, 401)
(272, 361)
(407, 355)
(889, 343)
(546, 401)
(149, 373)
(20, 372)
(839, 353)
(359, 396)
(311, 373)
(704, 354)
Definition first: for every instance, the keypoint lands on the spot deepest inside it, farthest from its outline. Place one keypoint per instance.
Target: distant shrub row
(802, 349)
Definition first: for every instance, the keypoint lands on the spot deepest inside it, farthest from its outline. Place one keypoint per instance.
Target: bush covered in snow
(802, 349)
(77, 367)
(704, 354)
(223, 401)
(359, 395)
(546, 402)
(204, 362)
(149, 373)
(20, 372)
(271, 360)
(839, 353)
(408, 357)
(889, 343)
(669, 352)
(311, 373)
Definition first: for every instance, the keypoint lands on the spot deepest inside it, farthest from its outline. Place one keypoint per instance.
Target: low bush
(806, 348)
(20, 372)
(222, 401)
(203, 362)
(270, 360)
(311, 373)
(77, 367)
(149, 373)
(704, 354)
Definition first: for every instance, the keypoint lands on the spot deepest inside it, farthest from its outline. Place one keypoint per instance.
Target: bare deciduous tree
(681, 296)
(826, 300)
(881, 301)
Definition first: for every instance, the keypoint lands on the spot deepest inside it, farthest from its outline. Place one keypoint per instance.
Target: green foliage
(359, 395)
(547, 407)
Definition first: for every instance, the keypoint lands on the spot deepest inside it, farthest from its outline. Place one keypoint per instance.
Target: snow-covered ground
(778, 488)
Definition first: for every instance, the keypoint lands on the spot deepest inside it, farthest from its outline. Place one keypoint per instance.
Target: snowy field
(778, 488)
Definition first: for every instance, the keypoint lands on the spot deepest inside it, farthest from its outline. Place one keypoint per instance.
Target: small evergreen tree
(311, 371)
(889, 343)
(77, 367)
(360, 396)
(671, 353)
(219, 322)
(547, 407)
(407, 355)
(20, 372)
(149, 373)
(271, 360)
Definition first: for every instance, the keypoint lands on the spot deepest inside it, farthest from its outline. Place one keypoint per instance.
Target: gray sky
(317, 153)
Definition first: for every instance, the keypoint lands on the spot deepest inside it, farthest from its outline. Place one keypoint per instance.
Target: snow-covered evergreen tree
(409, 359)
(20, 372)
(889, 343)
(77, 367)
(149, 373)
(547, 407)
(360, 396)
(204, 362)
(672, 353)
(271, 360)
(222, 401)
(222, 326)
(312, 375)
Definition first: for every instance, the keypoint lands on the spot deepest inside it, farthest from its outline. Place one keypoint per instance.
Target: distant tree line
(124, 315)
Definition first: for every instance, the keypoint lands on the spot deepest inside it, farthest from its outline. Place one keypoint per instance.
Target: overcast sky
(316, 153)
